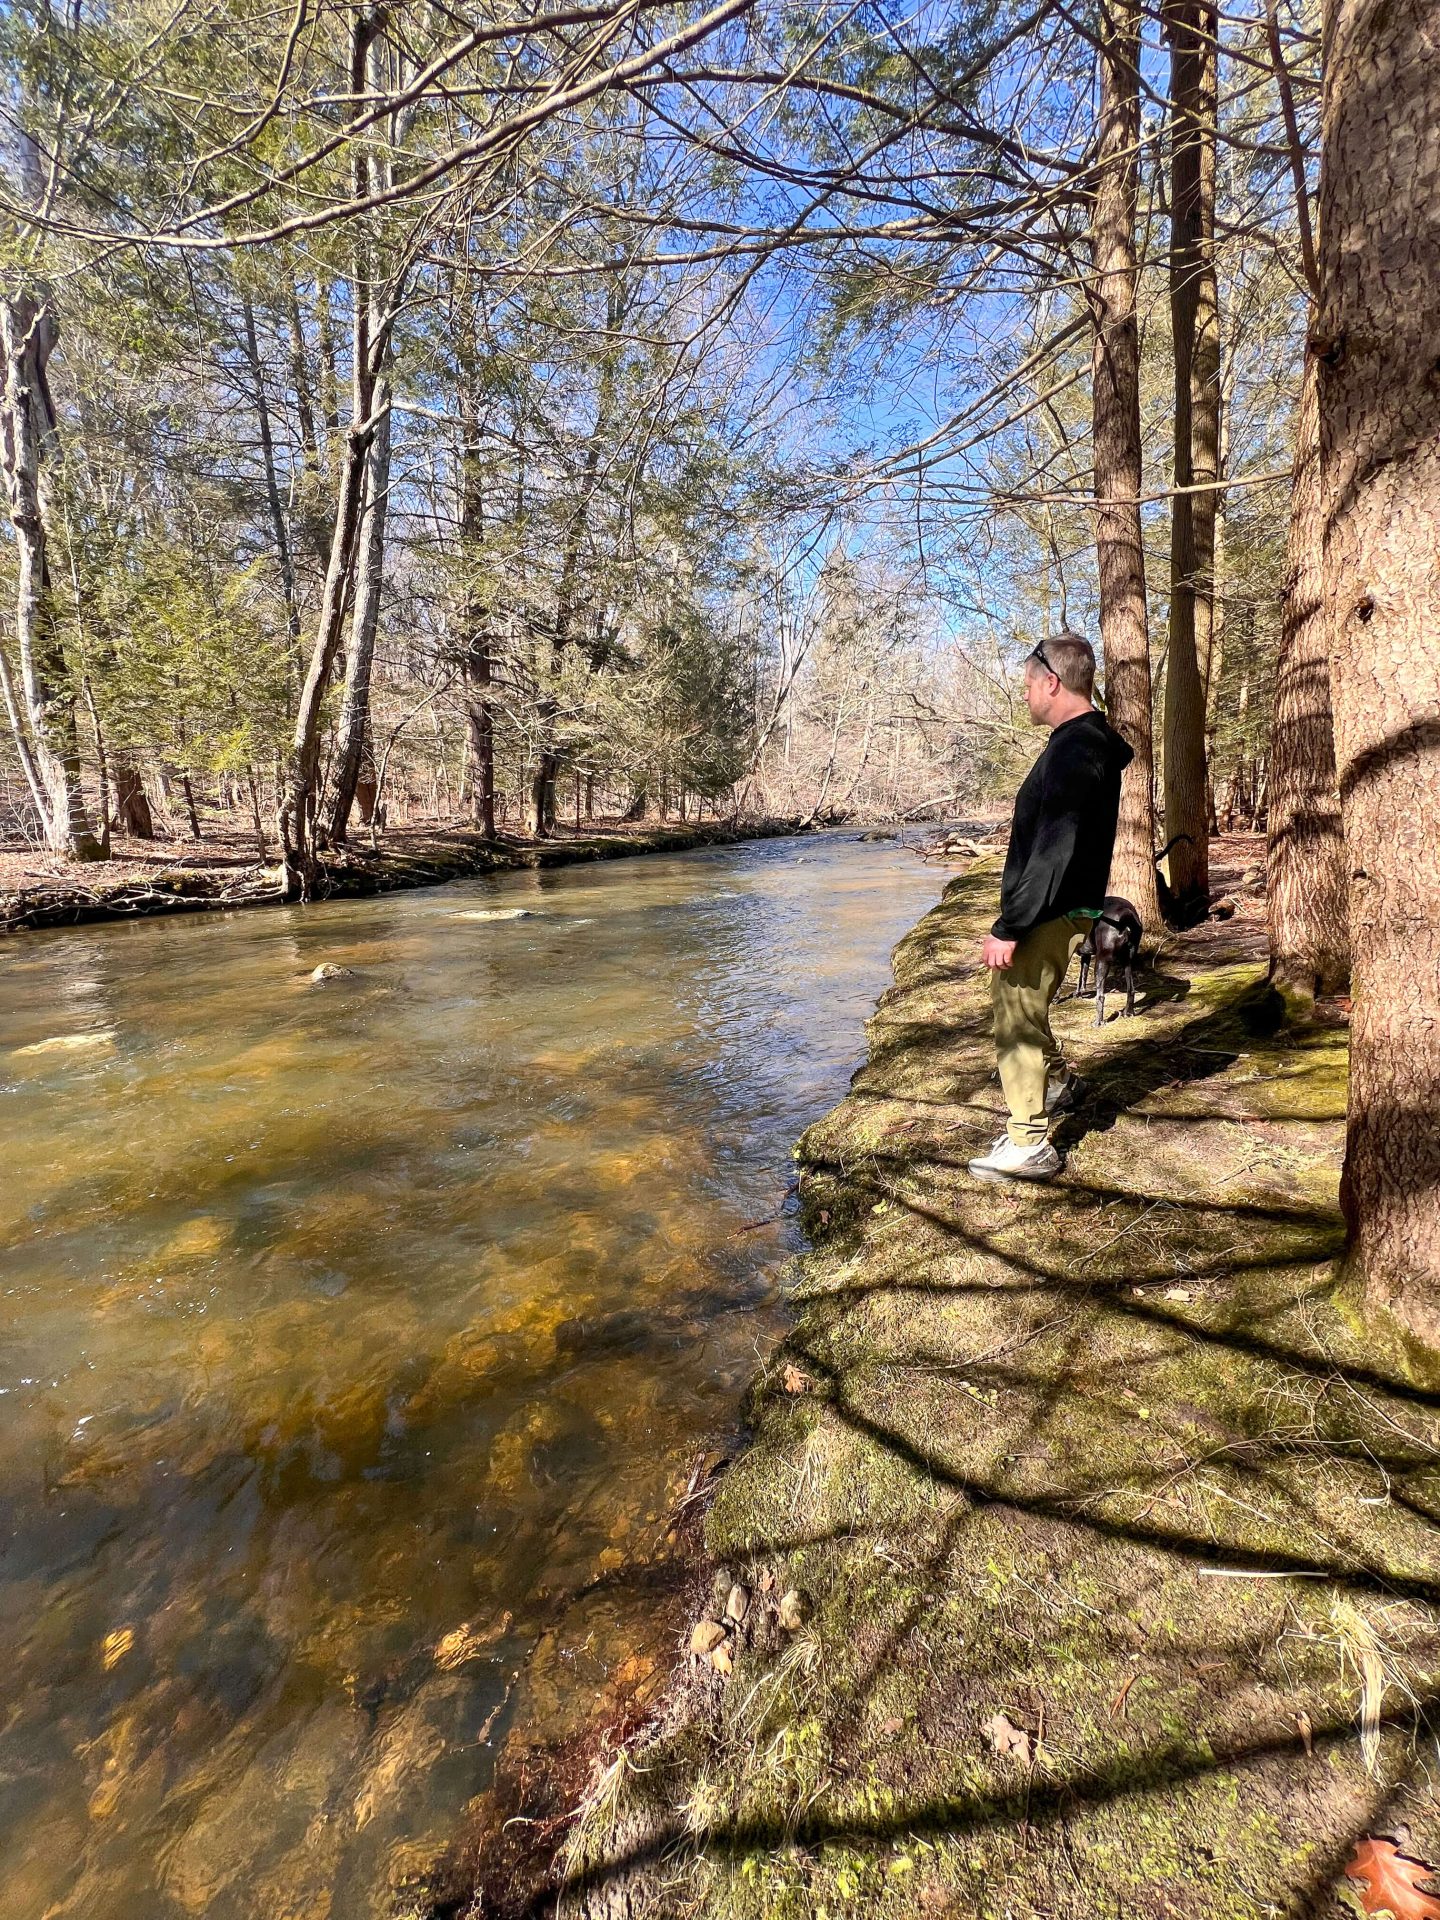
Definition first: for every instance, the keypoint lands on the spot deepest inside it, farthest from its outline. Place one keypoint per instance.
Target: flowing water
(354, 1336)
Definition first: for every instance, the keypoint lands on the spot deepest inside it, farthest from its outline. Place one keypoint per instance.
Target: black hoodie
(1063, 832)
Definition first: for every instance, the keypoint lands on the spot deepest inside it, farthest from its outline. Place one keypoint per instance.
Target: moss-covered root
(1116, 1539)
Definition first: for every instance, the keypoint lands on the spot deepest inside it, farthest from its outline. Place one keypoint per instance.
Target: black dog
(1113, 942)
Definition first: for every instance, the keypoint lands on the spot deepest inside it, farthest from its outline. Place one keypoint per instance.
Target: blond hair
(1071, 659)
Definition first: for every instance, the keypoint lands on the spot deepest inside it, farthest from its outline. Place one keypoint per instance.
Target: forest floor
(222, 871)
(1087, 1545)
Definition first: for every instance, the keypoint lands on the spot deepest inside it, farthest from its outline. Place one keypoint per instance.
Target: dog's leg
(1130, 988)
(1084, 979)
(1099, 990)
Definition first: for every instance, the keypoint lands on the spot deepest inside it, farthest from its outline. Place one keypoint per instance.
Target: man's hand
(998, 953)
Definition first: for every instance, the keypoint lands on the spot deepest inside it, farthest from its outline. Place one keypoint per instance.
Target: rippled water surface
(350, 1331)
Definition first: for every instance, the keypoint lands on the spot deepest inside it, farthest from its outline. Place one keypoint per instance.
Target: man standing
(1056, 874)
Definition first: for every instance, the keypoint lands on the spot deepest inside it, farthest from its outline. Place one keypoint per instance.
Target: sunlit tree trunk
(477, 664)
(354, 743)
(1195, 327)
(370, 340)
(1119, 548)
(45, 714)
(1305, 894)
(1378, 338)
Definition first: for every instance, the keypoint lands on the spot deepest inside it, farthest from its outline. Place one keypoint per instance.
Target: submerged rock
(496, 913)
(68, 1043)
(328, 970)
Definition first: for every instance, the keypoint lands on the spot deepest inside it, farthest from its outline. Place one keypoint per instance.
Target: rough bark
(1115, 401)
(480, 722)
(132, 807)
(477, 663)
(1195, 329)
(1305, 895)
(46, 713)
(1378, 339)
(294, 817)
(364, 625)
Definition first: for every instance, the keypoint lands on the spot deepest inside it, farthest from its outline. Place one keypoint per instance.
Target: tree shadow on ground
(1113, 1523)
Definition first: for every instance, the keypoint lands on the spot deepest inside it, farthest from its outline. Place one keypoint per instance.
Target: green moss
(1051, 1440)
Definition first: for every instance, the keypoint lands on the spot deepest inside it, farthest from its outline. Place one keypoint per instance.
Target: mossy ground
(1117, 1458)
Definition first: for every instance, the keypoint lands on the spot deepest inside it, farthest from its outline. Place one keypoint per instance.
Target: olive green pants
(1022, 993)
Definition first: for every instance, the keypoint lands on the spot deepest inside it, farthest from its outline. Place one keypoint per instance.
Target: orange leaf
(1391, 1881)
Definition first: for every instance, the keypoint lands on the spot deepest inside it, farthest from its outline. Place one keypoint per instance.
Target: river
(349, 1331)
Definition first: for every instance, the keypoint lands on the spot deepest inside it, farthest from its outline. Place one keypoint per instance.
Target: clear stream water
(349, 1332)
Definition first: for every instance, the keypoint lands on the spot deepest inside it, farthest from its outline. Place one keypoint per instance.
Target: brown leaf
(794, 1381)
(1306, 1730)
(1390, 1880)
(1008, 1739)
(1117, 1705)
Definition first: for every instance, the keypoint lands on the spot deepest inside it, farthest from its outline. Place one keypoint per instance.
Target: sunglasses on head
(1037, 652)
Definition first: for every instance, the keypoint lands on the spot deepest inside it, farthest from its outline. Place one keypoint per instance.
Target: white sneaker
(1006, 1161)
(1063, 1091)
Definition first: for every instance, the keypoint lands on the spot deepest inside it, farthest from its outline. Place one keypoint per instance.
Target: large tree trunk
(539, 816)
(1120, 553)
(480, 722)
(132, 808)
(293, 821)
(477, 664)
(46, 715)
(364, 624)
(1305, 895)
(1195, 326)
(1379, 346)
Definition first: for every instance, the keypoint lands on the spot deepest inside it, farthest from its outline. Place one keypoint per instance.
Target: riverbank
(40, 891)
(1087, 1551)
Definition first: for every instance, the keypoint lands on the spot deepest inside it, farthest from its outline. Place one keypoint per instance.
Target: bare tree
(375, 298)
